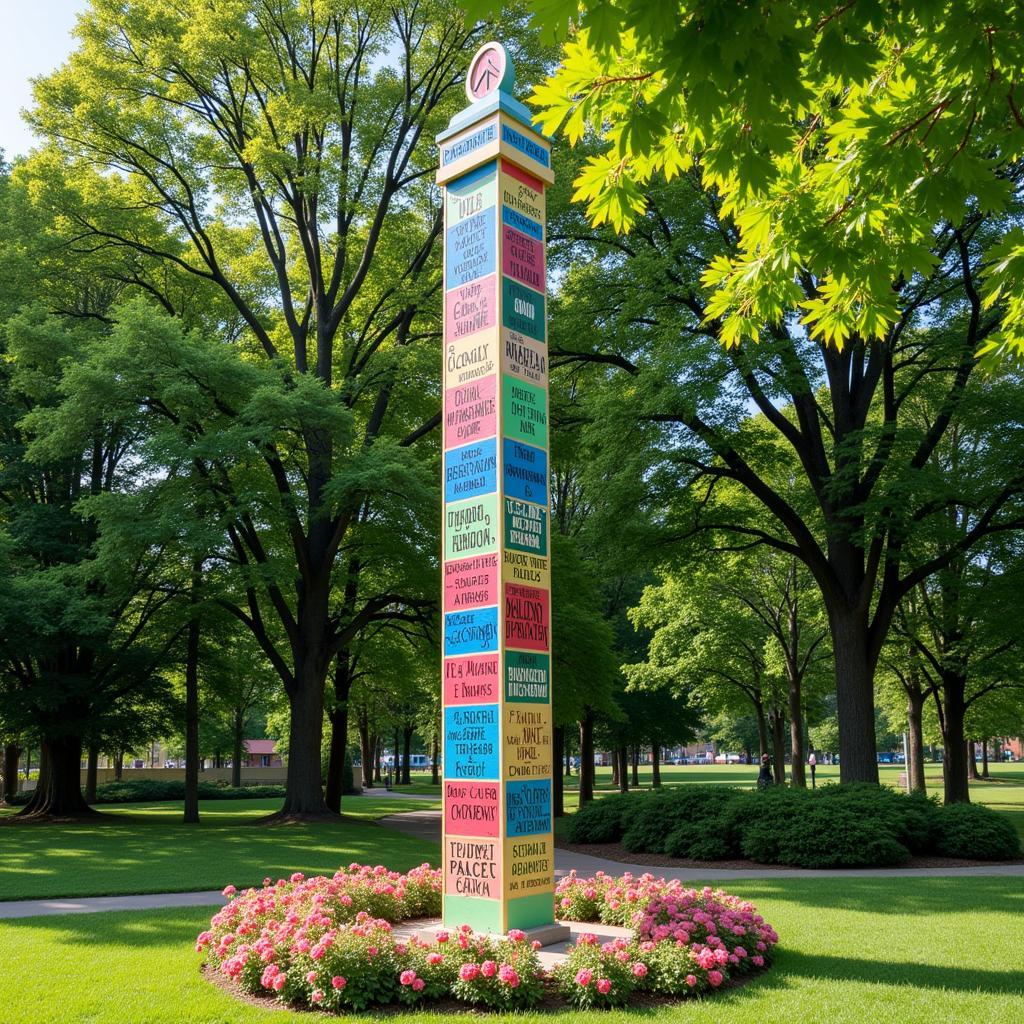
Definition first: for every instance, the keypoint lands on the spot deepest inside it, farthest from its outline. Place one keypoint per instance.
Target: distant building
(260, 754)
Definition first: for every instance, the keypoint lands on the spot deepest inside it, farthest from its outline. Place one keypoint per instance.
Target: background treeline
(219, 393)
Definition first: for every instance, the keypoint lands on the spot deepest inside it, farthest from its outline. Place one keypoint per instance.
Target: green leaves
(837, 139)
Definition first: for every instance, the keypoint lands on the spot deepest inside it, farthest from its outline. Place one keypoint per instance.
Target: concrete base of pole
(553, 938)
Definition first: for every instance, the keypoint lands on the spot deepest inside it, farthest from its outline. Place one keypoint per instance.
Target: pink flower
(604, 986)
(758, 960)
(435, 958)
(278, 982)
(418, 985)
(407, 977)
(583, 977)
(507, 974)
(372, 951)
(691, 980)
(516, 934)
(640, 970)
(469, 972)
(535, 944)
(311, 977)
(266, 881)
(298, 877)
(229, 890)
(487, 968)
(442, 937)
(316, 996)
(715, 978)
(338, 982)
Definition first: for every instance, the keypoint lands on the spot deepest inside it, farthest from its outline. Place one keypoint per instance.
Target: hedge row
(831, 827)
(139, 791)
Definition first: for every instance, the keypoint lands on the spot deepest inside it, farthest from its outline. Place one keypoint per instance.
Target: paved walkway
(427, 825)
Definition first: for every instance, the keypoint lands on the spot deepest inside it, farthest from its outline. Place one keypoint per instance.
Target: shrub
(601, 821)
(134, 791)
(909, 819)
(687, 813)
(837, 837)
(600, 975)
(976, 832)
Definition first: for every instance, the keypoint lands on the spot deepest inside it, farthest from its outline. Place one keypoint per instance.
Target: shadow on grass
(895, 897)
(817, 967)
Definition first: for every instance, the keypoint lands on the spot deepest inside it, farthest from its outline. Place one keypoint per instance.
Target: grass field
(146, 848)
(884, 951)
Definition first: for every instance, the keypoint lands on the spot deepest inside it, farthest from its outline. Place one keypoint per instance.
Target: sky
(35, 37)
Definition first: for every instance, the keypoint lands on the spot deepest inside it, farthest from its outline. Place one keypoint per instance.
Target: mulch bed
(616, 852)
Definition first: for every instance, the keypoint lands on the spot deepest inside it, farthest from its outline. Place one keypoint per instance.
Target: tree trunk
(407, 732)
(972, 761)
(778, 746)
(655, 766)
(762, 729)
(587, 758)
(377, 743)
(191, 816)
(119, 766)
(58, 793)
(304, 795)
(636, 767)
(557, 771)
(954, 744)
(236, 753)
(915, 741)
(338, 717)
(435, 757)
(11, 782)
(796, 732)
(984, 759)
(91, 765)
(365, 752)
(855, 696)
(622, 755)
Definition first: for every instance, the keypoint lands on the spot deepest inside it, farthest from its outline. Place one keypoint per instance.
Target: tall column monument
(497, 846)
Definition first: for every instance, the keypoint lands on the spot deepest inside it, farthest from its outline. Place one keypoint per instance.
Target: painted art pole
(497, 843)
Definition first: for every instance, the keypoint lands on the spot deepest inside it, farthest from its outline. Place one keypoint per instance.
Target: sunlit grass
(146, 848)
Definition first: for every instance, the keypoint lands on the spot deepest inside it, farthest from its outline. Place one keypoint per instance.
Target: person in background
(764, 776)
(812, 761)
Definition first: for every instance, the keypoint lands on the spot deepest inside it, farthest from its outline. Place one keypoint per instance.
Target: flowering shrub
(687, 940)
(600, 974)
(328, 943)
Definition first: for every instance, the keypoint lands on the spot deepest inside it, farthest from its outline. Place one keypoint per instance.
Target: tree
(708, 645)
(833, 456)
(287, 150)
(836, 137)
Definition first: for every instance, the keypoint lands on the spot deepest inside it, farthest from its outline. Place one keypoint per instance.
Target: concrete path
(427, 825)
(99, 904)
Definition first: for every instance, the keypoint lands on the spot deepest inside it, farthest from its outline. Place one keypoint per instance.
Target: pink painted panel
(470, 412)
(470, 308)
(471, 582)
(522, 258)
(472, 808)
(471, 679)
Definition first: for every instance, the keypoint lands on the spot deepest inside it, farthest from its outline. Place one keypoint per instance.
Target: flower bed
(329, 943)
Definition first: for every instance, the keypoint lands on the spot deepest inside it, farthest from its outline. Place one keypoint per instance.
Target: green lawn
(146, 848)
(866, 951)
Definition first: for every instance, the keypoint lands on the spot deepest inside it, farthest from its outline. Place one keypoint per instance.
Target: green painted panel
(531, 911)
(480, 914)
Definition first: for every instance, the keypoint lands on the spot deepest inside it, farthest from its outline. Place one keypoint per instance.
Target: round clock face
(487, 71)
